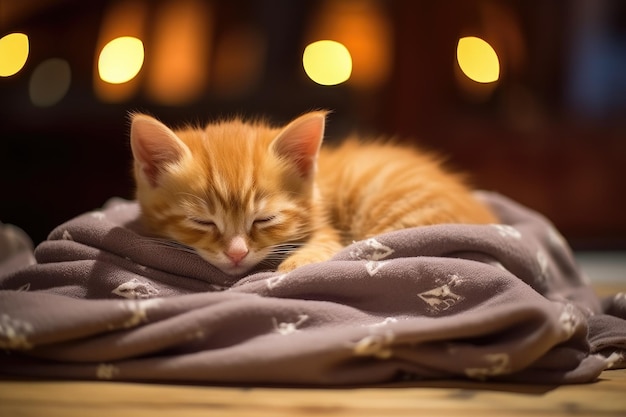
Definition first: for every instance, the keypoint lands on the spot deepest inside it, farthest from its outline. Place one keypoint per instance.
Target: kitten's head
(233, 191)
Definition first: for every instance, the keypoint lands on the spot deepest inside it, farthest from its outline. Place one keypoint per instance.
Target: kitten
(240, 193)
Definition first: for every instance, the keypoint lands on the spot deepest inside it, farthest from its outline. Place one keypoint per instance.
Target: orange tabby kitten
(239, 193)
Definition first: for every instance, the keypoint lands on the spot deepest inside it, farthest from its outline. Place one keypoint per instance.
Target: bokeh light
(13, 53)
(49, 82)
(327, 62)
(121, 60)
(180, 51)
(478, 60)
(364, 28)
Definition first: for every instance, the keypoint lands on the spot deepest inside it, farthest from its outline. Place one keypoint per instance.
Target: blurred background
(527, 96)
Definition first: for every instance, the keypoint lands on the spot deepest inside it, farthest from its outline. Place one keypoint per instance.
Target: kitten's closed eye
(264, 220)
(203, 222)
(208, 223)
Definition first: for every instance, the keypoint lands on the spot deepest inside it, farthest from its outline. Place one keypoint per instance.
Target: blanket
(500, 302)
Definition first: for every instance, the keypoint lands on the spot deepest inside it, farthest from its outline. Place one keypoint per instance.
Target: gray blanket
(502, 302)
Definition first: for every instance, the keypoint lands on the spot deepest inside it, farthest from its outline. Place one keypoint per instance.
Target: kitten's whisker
(161, 243)
(284, 249)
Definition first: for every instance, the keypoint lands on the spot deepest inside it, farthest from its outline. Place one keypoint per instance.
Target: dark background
(551, 133)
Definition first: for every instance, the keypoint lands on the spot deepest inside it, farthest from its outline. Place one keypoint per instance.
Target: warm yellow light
(120, 60)
(13, 53)
(478, 60)
(327, 62)
(362, 26)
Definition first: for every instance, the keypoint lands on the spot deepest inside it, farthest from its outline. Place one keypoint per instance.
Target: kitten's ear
(154, 146)
(300, 141)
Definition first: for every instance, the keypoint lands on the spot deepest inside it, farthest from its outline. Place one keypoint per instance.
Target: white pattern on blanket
(502, 302)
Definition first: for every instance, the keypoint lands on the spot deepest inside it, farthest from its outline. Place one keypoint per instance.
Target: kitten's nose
(236, 250)
(236, 256)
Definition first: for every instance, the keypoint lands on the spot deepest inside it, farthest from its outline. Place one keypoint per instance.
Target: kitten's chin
(230, 269)
(235, 271)
(227, 266)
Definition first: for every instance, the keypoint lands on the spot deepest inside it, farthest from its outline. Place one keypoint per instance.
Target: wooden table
(606, 397)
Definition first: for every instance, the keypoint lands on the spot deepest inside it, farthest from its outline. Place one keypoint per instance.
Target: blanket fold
(503, 302)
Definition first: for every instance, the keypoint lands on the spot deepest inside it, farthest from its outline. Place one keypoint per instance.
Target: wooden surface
(606, 397)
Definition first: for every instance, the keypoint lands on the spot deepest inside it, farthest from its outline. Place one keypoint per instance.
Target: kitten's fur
(242, 192)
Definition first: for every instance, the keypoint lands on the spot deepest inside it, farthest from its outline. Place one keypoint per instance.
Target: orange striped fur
(244, 193)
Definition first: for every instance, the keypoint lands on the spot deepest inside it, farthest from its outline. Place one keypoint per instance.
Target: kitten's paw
(302, 258)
